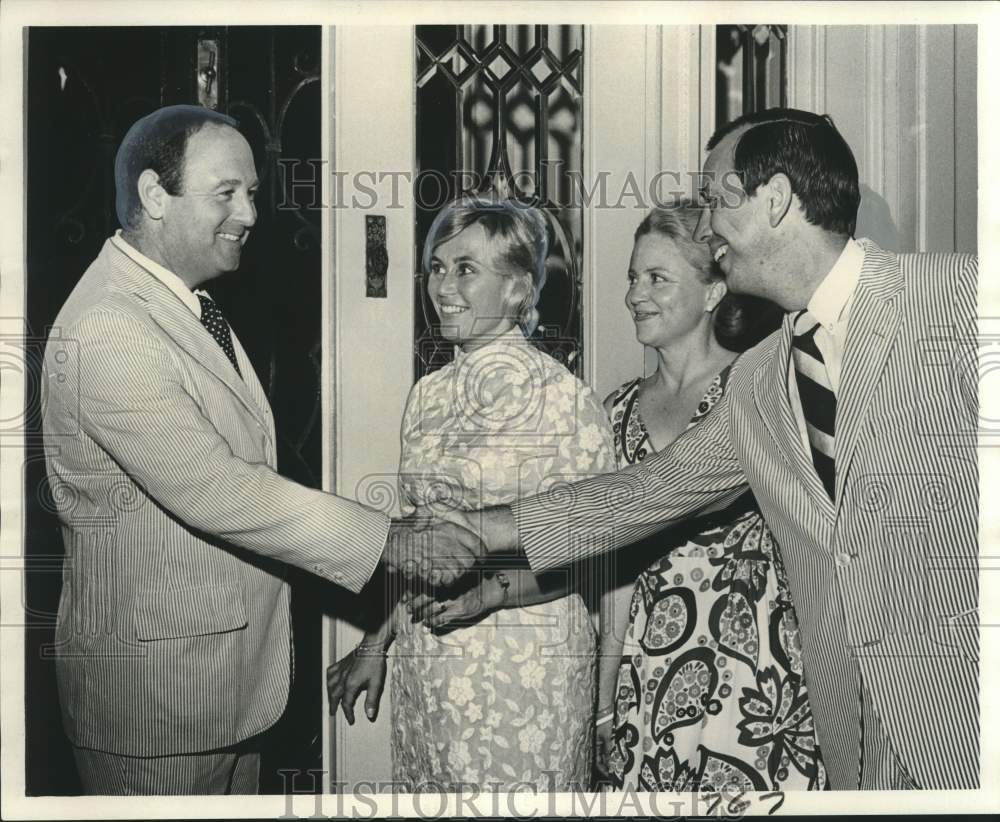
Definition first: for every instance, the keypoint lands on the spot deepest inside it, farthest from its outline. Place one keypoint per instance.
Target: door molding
(367, 356)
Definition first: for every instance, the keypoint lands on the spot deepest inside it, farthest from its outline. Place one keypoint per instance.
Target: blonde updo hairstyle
(518, 237)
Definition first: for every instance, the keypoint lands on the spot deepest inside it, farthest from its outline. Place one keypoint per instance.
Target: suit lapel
(178, 323)
(253, 385)
(771, 398)
(871, 332)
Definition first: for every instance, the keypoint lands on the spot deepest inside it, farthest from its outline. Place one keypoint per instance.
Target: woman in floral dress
(701, 684)
(510, 697)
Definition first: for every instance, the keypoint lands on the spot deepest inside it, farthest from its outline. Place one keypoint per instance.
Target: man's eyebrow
(235, 183)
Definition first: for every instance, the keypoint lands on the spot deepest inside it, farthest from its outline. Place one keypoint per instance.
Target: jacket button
(843, 559)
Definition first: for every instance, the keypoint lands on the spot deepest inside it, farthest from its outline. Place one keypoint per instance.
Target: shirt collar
(164, 275)
(834, 292)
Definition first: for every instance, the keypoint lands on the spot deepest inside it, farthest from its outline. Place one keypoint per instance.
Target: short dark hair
(158, 142)
(740, 321)
(808, 149)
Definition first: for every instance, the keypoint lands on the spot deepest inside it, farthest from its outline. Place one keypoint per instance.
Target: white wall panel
(904, 97)
(371, 359)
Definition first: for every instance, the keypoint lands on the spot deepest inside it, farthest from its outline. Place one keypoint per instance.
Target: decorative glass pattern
(500, 108)
(751, 70)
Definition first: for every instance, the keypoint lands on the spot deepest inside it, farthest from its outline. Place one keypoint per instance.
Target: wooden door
(84, 88)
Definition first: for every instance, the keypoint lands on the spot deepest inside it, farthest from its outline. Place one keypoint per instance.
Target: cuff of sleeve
(542, 555)
(352, 561)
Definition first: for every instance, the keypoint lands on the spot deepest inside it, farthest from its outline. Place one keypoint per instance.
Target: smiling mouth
(639, 316)
(234, 238)
(453, 309)
(721, 251)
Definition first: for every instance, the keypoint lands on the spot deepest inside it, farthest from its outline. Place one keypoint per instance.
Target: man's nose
(703, 229)
(245, 211)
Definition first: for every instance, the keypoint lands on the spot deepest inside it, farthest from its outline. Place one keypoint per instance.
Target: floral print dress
(710, 692)
(511, 698)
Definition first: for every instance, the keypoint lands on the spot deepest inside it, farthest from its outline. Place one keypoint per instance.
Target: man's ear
(779, 198)
(152, 194)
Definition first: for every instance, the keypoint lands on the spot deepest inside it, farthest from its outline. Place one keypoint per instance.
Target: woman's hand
(359, 671)
(466, 608)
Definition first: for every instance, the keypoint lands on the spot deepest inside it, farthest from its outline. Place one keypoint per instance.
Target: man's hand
(438, 552)
(495, 526)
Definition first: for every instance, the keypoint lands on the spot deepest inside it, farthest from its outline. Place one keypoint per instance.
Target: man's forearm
(497, 529)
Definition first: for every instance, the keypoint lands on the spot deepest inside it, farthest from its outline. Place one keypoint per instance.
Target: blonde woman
(494, 684)
(701, 682)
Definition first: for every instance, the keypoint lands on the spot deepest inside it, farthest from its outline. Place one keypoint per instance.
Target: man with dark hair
(855, 426)
(809, 150)
(173, 647)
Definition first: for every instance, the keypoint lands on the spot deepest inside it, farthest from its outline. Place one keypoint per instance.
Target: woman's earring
(710, 308)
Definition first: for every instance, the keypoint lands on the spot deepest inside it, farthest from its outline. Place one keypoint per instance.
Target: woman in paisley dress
(701, 684)
(493, 684)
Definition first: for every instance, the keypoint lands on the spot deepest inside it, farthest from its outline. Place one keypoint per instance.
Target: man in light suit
(173, 636)
(855, 426)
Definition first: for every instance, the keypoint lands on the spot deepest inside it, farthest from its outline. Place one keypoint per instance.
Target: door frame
(368, 126)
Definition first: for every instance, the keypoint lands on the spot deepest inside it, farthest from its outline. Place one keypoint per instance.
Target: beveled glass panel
(499, 108)
(751, 69)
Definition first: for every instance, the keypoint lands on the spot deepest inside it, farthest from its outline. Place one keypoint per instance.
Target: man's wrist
(499, 531)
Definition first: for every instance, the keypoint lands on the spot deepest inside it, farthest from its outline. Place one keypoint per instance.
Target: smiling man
(855, 426)
(173, 645)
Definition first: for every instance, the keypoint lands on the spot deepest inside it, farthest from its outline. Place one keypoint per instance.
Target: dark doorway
(85, 87)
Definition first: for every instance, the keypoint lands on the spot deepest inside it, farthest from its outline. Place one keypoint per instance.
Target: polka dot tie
(215, 322)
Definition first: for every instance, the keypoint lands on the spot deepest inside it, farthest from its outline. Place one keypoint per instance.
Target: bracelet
(372, 649)
(604, 717)
(504, 581)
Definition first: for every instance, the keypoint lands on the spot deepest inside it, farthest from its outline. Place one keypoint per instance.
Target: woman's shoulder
(433, 380)
(557, 377)
(551, 367)
(622, 393)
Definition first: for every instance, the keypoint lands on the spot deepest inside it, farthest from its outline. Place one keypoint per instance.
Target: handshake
(442, 547)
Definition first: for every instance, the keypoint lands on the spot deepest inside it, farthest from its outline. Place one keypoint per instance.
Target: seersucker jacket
(173, 631)
(884, 579)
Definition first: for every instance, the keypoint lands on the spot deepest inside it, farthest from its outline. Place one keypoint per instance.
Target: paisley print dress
(510, 699)
(710, 693)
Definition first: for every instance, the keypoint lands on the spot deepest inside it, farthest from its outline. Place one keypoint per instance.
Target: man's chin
(229, 262)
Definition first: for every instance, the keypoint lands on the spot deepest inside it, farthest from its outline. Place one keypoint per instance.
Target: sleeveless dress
(710, 693)
(510, 699)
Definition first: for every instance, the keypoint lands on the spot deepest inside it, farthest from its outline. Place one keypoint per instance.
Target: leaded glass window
(751, 70)
(500, 108)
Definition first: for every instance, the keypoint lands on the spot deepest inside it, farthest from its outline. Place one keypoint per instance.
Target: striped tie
(819, 403)
(213, 320)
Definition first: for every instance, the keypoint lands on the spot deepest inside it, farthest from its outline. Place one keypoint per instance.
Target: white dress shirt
(164, 275)
(830, 304)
